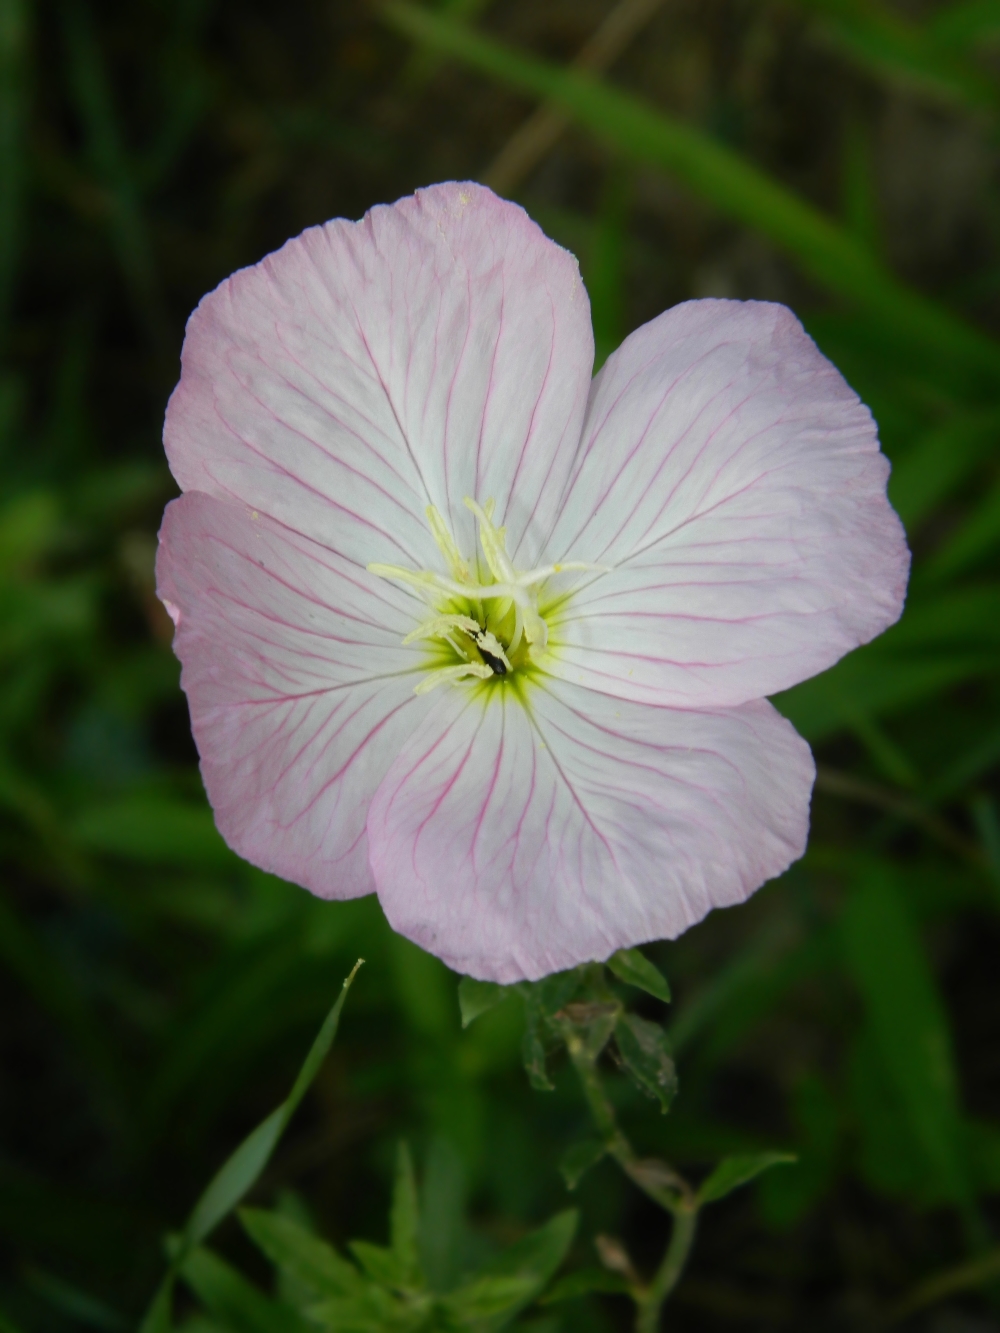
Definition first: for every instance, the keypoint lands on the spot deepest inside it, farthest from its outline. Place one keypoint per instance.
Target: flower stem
(656, 1179)
(670, 1269)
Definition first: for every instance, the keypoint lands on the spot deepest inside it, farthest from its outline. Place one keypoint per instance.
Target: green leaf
(498, 1293)
(633, 967)
(964, 25)
(242, 1169)
(939, 462)
(155, 831)
(604, 265)
(14, 105)
(304, 1258)
(583, 1282)
(405, 1220)
(488, 1302)
(977, 537)
(69, 1300)
(228, 1296)
(477, 997)
(158, 1317)
(907, 1017)
(380, 1263)
(785, 1196)
(874, 681)
(732, 1172)
(826, 251)
(577, 1160)
(887, 44)
(645, 1050)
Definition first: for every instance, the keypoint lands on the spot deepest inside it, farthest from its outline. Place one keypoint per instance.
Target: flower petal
(512, 844)
(299, 690)
(439, 348)
(733, 482)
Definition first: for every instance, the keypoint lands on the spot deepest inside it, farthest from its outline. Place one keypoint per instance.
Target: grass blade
(902, 52)
(886, 956)
(13, 61)
(243, 1168)
(825, 251)
(108, 158)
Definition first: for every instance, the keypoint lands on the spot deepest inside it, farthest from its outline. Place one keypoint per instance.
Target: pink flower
(398, 475)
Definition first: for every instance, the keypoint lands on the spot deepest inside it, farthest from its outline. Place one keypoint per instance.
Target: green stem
(600, 1106)
(663, 1185)
(669, 1272)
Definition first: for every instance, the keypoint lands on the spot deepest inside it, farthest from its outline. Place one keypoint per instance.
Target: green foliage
(577, 1160)
(237, 1175)
(477, 997)
(732, 1172)
(828, 253)
(157, 993)
(388, 1292)
(645, 1052)
(633, 966)
(909, 1027)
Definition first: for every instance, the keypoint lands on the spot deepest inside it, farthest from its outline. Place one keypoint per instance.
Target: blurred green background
(156, 994)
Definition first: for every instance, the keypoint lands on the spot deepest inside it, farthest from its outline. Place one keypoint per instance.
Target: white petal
(299, 689)
(513, 845)
(733, 482)
(439, 348)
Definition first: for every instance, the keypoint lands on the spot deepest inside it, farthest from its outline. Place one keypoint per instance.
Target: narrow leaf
(240, 1172)
(233, 1300)
(886, 43)
(908, 1020)
(380, 1263)
(301, 1256)
(633, 967)
(825, 250)
(477, 997)
(977, 538)
(577, 1160)
(732, 1172)
(13, 119)
(583, 1282)
(488, 1302)
(533, 1051)
(234, 1179)
(515, 1278)
(405, 1219)
(158, 1317)
(645, 1050)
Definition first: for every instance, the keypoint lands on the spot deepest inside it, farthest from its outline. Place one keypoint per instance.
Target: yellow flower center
(484, 629)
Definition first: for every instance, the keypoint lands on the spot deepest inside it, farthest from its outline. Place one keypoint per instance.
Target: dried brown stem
(541, 131)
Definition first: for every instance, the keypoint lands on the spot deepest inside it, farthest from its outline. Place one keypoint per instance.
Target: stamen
(492, 540)
(509, 590)
(453, 673)
(490, 645)
(447, 546)
(548, 571)
(439, 628)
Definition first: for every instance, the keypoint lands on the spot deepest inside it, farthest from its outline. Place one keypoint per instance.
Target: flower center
(489, 629)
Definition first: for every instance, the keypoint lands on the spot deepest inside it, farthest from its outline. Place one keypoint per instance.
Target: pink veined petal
(299, 690)
(440, 347)
(513, 845)
(733, 482)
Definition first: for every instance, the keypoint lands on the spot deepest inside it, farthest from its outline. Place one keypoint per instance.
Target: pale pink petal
(299, 690)
(513, 843)
(732, 481)
(439, 348)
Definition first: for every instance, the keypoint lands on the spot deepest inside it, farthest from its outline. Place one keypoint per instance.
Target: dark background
(157, 995)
